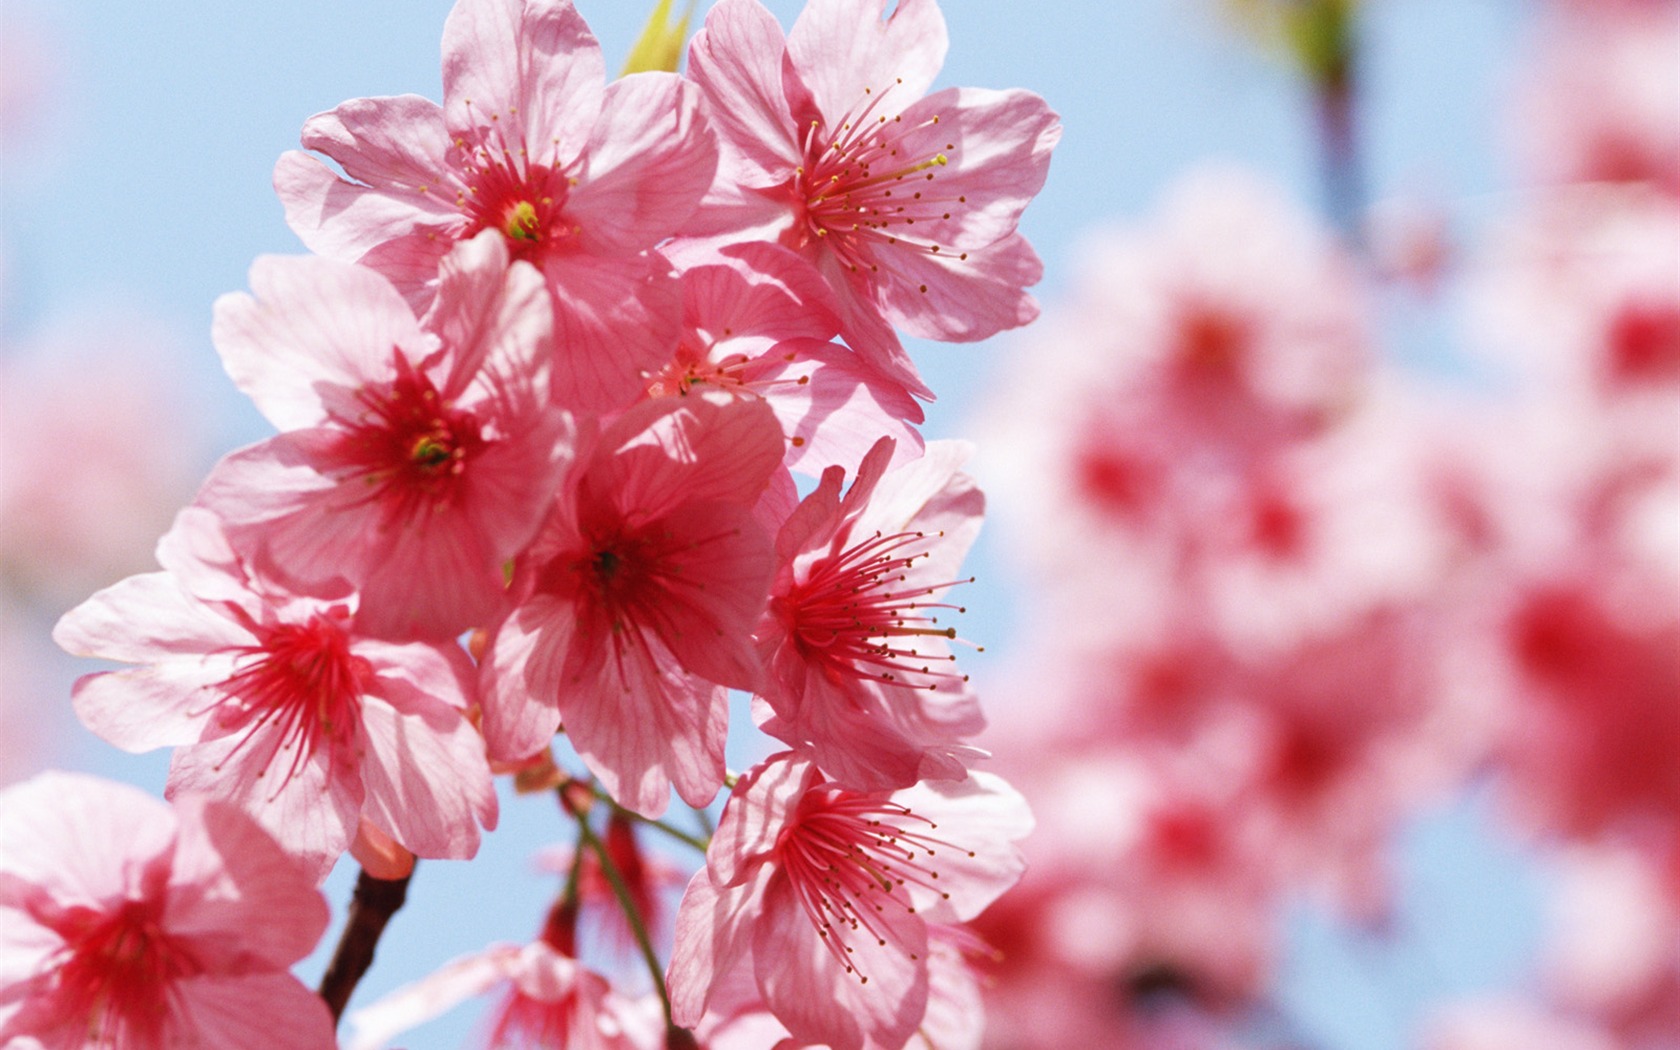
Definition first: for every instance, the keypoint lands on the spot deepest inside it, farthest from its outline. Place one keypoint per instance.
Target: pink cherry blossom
(1578, 296)
(283, 704)
(907, 204)
(833, 891)
(634, 605)
(126, 923)
(1599, 102)
(548, 999)
(580, 178)
(417, 457)
(860, 675)
(738, 1019)
(1508, 1024)
(81, 501)
(757, 320)
(1613, 947)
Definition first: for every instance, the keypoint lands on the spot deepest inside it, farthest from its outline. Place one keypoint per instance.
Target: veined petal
(271, 1010)
(962, 300)
(396, 144)
(738, 60)
(842, 47)
(643, 726)
(145, 618)
(309, 806)
(648, 163)
(521, 677)
(315, 332)
(428, 782)
(983, 860)
(62, 830)
(166, 704)
(615, 320)
(348, 221)
(228, 874)
(711, 934)
(702, 448)
(832, 408)
(880, 994)
(522, 73)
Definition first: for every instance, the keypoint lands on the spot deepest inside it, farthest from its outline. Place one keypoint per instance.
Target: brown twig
(371, 907)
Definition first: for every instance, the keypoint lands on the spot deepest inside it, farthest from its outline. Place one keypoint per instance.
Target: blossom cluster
(1294, 592)
(545, 384)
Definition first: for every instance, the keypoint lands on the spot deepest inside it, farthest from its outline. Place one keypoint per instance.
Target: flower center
(859, 614)
(870, 180)
(300, 689)
(851, 859)
(505, 189)
(119, 968)
(411, 445)
(1644, 343)
(521, 222)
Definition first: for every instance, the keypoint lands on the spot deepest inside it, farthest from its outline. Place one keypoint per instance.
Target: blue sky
(148, 185)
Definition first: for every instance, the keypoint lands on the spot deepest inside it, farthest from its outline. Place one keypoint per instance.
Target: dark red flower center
(299, 689)
(411, 445)
(851, 858)
(859, 614)
(118, 966)
(865, 185)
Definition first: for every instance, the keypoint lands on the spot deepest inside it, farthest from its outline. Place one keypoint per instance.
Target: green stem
(677, 833)
(632, 914)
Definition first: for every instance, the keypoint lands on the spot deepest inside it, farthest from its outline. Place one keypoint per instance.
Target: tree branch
(371, 907)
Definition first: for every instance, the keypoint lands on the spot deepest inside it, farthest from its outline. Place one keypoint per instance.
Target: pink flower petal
(527, 72)
(315, 331)
(649, 161)
(614, 321)
(842, 47)
(397, 145)
(427, 779)
(270, 1010)
(737, 60)
(229, 874)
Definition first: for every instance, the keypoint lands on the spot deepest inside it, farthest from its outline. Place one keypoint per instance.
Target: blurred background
(1331, 596)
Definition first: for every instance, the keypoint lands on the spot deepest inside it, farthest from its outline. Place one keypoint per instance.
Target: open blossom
(860, 674)
(907, 204)
(634, 605)
(283, 704)
(548, 999)
(416, 457)
(131, 925)
(757, 322)
(835, 893)
(738, 1019)
(581, 179)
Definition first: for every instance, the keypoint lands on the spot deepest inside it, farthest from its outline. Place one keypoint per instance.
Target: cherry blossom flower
(860, 675)
(282, 704)
(634, 605)
(833, 891)
(548, 999)
(757, 320)
(416, 457)
(82, 502)
(907, 204)
(738, 1019)
(127, 923)
(1598, 103)
(580, 178)
(1506, 1024)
